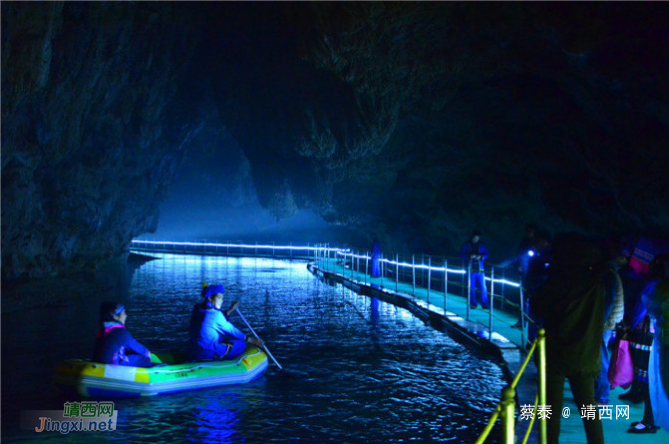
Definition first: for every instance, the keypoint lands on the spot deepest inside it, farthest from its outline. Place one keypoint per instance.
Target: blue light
(503, 281)
(531, 253)
(340, 251)
(405, 264)
(200, 244)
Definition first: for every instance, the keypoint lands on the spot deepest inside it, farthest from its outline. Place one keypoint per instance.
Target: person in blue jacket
(212, 335)
(376, 256)
(473, 253)
(113, 344)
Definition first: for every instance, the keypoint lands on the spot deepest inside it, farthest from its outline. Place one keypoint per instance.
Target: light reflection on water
(358, 369)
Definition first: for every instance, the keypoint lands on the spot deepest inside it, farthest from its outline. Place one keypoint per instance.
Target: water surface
(359, 370)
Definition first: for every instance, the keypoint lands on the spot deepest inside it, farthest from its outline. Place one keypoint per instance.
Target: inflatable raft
(170, 374)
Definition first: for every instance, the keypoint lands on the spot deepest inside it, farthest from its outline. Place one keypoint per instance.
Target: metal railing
(439, 276)
(506, 409)
(226, 249)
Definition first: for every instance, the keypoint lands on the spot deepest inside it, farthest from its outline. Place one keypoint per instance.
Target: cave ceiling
(416, 121)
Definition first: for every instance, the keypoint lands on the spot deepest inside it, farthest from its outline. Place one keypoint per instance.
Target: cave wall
(92, 129)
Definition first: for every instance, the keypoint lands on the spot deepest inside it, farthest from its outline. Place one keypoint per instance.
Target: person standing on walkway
(474, 253)
(531, 260)
(537, 273)
(613, 313)
(376, 257)
(643, 349)
(571, 302)
(658, 365)
(523, 252)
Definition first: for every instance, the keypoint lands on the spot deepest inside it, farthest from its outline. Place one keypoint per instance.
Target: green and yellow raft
(172, 374)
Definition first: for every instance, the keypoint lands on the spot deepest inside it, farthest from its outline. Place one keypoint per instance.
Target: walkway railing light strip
(504, 281)
(340, 251)
(201, 244)
(405, 264)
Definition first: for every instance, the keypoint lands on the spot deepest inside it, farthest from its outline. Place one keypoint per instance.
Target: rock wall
(91, 136)
(421, 121)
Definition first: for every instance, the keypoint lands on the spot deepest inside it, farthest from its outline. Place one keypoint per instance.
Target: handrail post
(356, 256)
(397, 271)
(445, 285)
(503, 302)
(343, 269)
(469, 289)
(353, 265)
(491, 299)
(507, 415)
(366, 266)
(541, 390)
(429, 277)
(381, 266)
(422, 272)
(523, 338)
(357, 264)
(413, 268)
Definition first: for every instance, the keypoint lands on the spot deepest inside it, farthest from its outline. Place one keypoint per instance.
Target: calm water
(364, 371)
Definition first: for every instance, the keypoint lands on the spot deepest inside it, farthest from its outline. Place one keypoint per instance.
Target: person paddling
(212, 335)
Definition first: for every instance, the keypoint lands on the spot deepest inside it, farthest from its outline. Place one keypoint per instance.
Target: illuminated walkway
(508, 340)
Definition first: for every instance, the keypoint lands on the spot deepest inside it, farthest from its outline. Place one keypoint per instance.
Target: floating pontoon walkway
(504, 339)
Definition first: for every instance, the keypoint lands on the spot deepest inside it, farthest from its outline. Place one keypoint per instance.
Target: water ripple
(357, 372)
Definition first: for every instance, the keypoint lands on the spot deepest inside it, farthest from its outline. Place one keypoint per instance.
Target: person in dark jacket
(474, 253)
(113, 344)
(572, 303)
(523, 255)
(614, 309)
(642, 343)
(537, 272)
(212, 335)
(530, 260)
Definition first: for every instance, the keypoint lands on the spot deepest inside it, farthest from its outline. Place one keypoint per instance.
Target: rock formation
(415, 120)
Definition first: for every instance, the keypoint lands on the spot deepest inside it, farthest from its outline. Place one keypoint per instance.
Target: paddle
(257, 337)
